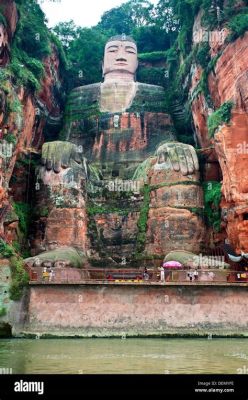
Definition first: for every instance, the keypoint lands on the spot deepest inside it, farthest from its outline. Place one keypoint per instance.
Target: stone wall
(133, 310)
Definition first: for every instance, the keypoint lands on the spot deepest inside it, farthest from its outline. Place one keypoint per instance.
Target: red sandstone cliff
(25, 123)
(228, 81)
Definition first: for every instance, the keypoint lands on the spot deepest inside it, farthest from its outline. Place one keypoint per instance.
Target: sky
(85, 13)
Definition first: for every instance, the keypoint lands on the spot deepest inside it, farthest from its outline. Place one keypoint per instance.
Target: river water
(125, 356)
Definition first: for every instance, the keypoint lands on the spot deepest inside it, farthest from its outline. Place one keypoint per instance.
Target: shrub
(6, 250)
(152, 76)
(202, 55)
(142, 222)
(154, 56)
(212, 198)
(222, 115)
(3, 312)
(238, 26)
(23, 212)
(10, 138)
(20, 278)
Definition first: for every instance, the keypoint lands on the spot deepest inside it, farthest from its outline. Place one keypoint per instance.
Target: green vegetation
(3, 20)
(19, 277)
(153, 56)
(238, 25)
(10, 138)
(152, 75)
(142, 222)
(93, 209)
(212, 198)
(30, 45)
(23, 212)
(6, 251)
(202, 56)
(219, 117)
(3, 312)
(44, 212)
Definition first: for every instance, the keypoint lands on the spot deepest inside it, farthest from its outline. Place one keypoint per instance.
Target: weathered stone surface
(64, 227)
(116, 234)
(27, 125)
(227, 82)
(231, 147)
(69, 255)
(172, 229)
(231, 74)
(117, 310)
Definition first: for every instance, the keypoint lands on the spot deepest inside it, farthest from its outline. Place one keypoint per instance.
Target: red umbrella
(172, 264)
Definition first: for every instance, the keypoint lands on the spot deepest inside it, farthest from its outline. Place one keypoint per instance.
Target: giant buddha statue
(117, 129)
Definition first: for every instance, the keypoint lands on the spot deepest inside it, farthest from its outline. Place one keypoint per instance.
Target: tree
(85, 55)
(127, 17)
(151, 38)
(66, 32)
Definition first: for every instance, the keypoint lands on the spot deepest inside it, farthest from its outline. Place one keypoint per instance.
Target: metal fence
(70, 275)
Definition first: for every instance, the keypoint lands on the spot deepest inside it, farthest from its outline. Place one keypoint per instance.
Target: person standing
(196, 274)
(161, 269)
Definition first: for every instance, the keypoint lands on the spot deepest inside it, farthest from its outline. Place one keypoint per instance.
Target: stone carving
(112, 130)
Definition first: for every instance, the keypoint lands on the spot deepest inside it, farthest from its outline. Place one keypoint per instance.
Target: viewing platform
(120, 277)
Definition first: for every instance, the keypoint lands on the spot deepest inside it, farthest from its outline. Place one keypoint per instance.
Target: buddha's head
(120, 56)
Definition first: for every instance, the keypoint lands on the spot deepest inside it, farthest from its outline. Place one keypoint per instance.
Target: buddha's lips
(121, 63)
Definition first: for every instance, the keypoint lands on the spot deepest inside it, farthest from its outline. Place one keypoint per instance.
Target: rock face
(232, 149)
(9, 12)
(102, 142)
(22, 127)
(227, 82)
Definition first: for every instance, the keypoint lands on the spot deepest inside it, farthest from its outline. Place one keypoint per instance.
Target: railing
(71, 275)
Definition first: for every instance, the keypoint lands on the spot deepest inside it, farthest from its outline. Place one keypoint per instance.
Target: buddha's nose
(121, 55)
(121, 59)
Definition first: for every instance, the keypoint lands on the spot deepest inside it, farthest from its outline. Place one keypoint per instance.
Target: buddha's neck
(118, 76)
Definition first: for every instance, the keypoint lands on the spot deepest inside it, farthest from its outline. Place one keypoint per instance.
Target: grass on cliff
(19, 278)
(3, 312)
(238, 26)
(212, 198)
(219, 117)
(142, 221)
(23, 212)
(6, 251)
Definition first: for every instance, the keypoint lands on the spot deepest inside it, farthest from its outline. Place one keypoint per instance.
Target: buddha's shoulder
(145, 88)
(91, 92)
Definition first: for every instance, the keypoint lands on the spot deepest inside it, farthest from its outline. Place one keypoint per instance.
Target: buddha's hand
(177, 156)
(59, 155)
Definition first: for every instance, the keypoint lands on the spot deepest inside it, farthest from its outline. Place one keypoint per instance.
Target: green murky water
(126, 356)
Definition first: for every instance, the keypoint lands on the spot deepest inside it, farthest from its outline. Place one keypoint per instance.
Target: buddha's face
(120, 55)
